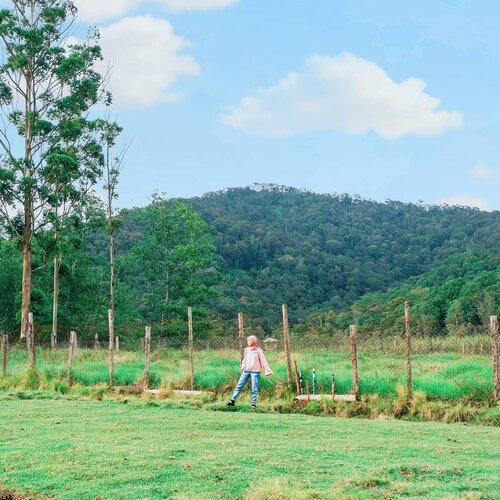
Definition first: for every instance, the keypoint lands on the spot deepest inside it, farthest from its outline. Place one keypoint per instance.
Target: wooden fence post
(495, 353)
(111, 370)
(241, 335)
(409, 380)
(190, 340)
(117, 343)
(5, 353)
(147, 356)
(297, 379)
(71, 357)
(354, 359)
(31, 343)
(287, 346)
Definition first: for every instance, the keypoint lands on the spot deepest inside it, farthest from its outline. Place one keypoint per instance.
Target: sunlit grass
(447, 376)
(110, 450)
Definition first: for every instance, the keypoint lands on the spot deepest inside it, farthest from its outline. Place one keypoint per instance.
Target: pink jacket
(254, 360)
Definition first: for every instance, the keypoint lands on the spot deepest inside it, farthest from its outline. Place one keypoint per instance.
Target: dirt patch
(6, 494)
(418, 472)
(130, 389)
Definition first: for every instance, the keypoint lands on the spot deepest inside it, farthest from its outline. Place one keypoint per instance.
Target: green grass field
(446, 376)
(110, 450)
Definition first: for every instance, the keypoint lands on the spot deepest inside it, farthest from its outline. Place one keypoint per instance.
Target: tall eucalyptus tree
(48, 136)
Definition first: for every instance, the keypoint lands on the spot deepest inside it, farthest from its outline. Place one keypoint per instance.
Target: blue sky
(386, 99)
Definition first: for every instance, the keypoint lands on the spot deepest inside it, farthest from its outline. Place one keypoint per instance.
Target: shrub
(460, 413)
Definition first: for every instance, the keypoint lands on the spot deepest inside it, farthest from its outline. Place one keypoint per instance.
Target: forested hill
(283, 245)
(457, 295)
(251, 250)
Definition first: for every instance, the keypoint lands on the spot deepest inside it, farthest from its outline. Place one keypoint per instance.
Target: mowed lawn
(79, 449)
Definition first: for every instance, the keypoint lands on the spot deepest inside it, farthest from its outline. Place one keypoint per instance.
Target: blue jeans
(241, 383)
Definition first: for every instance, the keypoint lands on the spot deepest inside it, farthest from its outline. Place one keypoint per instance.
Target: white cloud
(145, 59)
(101, 10)
(481, 172)
(466, 200)
(344, 93)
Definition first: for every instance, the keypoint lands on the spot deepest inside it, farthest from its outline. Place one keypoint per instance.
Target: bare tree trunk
(147, 357)
(112, 274)
(111, 311)
(71, 356)
(26, 283)
(495, 353)
(287, 346)
(167, 284)
(5, 353)
(55, 301)
(241, 335)
(30, 343)
(409, 379)
(190, 342)
(111, 367)
(354, 358)
(27, 280)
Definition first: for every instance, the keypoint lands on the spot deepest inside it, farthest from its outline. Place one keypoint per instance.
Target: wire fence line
(466, 345)
(206, 362)
(130, 337)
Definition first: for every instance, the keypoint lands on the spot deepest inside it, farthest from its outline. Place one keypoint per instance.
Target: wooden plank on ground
(319, 397)
(183, 393)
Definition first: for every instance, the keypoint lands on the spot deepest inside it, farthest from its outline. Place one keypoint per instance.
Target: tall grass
(447, 376)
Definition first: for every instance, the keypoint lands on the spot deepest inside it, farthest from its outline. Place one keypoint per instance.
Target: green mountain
(324, 251)
(253, 249)
(457, 295)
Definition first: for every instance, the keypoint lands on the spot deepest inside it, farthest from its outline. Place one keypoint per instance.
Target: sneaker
(254, 407)
(230, 402)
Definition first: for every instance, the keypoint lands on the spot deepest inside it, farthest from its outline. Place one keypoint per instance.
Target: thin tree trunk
(111, 311)
(147, 357)
(112, 273)
(167, 284)
(55, 301)
(5, 353)
(241, 335)
(495, 353)
(286, 345)
(26, 283)
(30, 342)
(354, 358)
(26, 327)
(190, 344)
(111, 349)
(409, 379)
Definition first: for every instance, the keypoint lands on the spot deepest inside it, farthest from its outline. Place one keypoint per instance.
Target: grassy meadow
(447, 376)
(79, 449)
(448, 387)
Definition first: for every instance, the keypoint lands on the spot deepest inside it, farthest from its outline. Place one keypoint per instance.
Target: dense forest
(457, 296)
(331, 257)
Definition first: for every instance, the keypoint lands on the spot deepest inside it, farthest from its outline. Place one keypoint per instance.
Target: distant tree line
(333, 259)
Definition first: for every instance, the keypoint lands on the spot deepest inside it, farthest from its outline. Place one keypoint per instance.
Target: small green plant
(61, 387)
(32, 380)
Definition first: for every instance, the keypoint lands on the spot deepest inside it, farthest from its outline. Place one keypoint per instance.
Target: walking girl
(252, 365)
